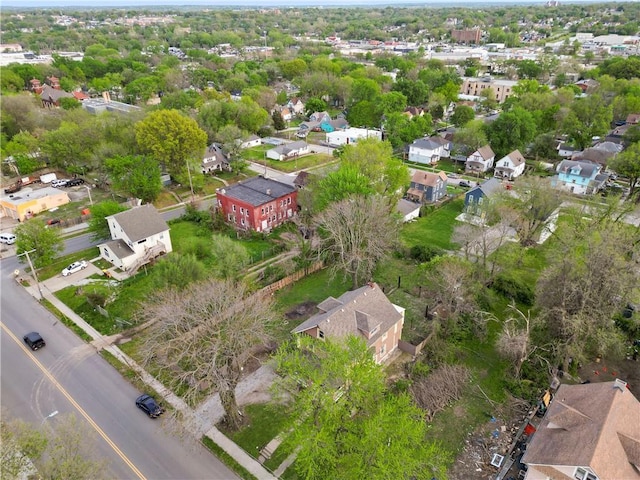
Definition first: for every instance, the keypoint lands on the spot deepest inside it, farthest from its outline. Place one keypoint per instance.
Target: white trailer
(48, 177)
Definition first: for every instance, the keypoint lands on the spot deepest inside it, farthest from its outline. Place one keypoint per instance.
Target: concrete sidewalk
(197, 422)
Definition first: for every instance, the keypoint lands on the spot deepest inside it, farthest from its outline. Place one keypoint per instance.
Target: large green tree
(136, 176)
(588, 117)
(98, 225)
(43, 243)
(171, 138)
(344, 422)
(627, 164)
(462, 115)
(387, 174)
(512, 130)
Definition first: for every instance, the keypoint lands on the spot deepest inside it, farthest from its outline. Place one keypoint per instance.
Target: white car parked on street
(74, 267)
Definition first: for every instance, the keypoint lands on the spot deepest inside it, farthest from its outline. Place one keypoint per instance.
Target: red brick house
(366, 313)
(259, 204)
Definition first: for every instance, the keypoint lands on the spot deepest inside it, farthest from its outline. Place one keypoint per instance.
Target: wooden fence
(289, 279)
(413, 349)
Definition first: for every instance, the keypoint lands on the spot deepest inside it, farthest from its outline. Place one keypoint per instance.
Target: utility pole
(33, 270)
(190, 182)
(89, 192)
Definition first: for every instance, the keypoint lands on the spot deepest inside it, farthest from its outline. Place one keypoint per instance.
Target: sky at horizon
(267, 3)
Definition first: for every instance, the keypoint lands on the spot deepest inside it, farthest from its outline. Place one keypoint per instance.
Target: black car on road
(464, 184)
(34, 340)
(148, 405)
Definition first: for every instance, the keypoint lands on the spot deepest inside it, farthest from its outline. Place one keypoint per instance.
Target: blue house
(578, 176)
(427, 187)
(475, 197)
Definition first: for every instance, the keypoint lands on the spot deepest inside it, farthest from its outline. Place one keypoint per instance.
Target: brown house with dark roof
(366, 313)
(590, 432)
(51, 96)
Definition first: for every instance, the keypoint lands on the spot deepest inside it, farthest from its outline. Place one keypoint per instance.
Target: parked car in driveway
(60, 182)
(148, 405)
(74, 267)
(34, 340)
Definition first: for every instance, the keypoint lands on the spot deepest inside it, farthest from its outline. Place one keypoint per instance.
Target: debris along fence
(289, 279)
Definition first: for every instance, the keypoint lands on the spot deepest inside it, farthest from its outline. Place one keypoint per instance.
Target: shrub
(178, 271)
(199, 247)
(424, 253)
(96, 299)
(513, 288)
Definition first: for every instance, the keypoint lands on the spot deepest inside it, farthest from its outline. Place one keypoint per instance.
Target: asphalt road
(69, 376)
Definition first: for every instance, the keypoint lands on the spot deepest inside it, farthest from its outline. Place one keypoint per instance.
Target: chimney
(268, 191)
(621, 384)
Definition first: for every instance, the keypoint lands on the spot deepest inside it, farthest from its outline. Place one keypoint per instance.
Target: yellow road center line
(75, 404)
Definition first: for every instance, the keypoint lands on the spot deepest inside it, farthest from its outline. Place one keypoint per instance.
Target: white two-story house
(137, 236)
(481, 160)
(429, 150)
(510, 166)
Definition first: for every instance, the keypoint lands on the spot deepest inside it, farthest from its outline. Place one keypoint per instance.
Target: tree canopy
(171, 139)
(344, 422)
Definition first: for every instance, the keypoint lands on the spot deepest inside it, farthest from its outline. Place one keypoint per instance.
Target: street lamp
(89, 192)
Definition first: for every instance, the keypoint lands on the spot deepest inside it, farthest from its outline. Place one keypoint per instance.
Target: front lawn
(301, 163)
(265, 422)
(61, 263)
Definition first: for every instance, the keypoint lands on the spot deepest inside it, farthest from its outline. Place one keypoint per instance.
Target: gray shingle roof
(354, 313)
(586, 167)
(426, 144)
(488, 187)
(141, 222)
(291, 147)
(257, 191)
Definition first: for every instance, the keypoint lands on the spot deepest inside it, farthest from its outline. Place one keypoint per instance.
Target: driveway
(59, 282)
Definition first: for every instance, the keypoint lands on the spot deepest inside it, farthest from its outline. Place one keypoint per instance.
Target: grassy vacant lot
(436, 228)
(258, 155)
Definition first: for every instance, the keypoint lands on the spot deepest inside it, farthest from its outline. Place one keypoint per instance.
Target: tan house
(502, 89)
(590, 432)
(28, 202)
(366, 313)
(138, 236)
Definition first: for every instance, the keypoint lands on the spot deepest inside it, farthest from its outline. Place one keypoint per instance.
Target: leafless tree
(204, 336)
(451, 285)
(356, 233)
(532, 203)
(514, 343)
(440, 388)
(589, 278)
